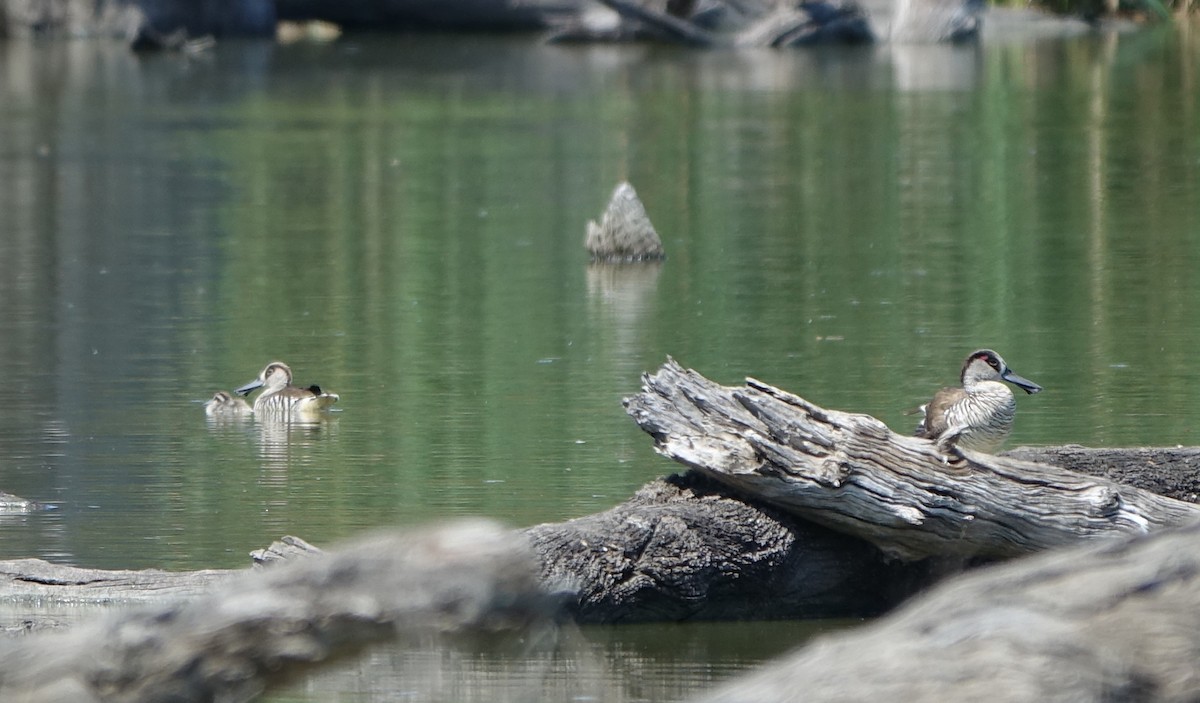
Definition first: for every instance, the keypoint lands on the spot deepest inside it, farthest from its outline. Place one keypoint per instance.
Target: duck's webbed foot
(947, 446)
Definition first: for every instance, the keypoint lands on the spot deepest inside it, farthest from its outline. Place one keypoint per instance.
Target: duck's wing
(934, 423)
(324, 400)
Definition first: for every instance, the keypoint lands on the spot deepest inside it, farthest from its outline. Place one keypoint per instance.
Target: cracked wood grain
(851, 473)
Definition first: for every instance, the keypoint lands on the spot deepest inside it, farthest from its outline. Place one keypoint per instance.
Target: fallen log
(1168, 471)
(429, 14)
(851, 473)
(760, 23)
(683, 549)
(1114, 622)
(263, 628)
(26, 581)
(777, 522)
(10, 503)
(664, 23)
(929, 21)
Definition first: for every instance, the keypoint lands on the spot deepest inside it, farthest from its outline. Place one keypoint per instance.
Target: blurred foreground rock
(261, 629)
(1115, 622)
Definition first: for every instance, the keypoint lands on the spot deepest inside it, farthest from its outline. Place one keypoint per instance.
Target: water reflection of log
(934, 67)
(257, 631)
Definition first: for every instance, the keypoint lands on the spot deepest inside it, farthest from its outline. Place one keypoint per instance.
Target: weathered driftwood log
(853, 474)
(928, 21)
(35, 581)
(625, 233)
(745, 23)
(268, 626)
(284, 549)
(1168, 471)
(442, 14)
(683, 549)
(1114, 622)
(41, 585)
(10, 503)
(665, 24)
(806, 24)
(71, 18)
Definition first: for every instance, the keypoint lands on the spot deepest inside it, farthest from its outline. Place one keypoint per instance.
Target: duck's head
(987, 365)
(276, 375)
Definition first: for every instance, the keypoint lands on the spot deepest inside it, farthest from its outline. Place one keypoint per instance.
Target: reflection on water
(404, 218)
(622, 296)
(617, 665)
(935, 67)
(284, 444)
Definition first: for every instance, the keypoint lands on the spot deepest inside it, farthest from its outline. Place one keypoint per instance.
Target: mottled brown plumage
(979, 414)
(280, 400)
(223, 404)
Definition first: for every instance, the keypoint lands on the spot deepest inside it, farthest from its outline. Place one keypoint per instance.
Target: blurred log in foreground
(1114, 622)
(851, 473)
(264, 628)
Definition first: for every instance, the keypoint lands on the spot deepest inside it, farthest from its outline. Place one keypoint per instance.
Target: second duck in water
(979, 414)
(281, 400)
(226, 405)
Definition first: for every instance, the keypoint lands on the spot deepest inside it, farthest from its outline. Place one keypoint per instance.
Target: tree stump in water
(624, 233)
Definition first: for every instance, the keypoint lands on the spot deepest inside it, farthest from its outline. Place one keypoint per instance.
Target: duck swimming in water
(281, 400)
(223, 404)
(977, 415)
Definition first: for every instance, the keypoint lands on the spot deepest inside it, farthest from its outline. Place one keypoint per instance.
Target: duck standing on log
(977, 415)
(283, 401)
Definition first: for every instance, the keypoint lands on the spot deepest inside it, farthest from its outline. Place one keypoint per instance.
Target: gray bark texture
(1168, 471)
(683, 549)
(227, 18)
(443, 14)
(851, 473)
(725, 23)
(624, 233)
